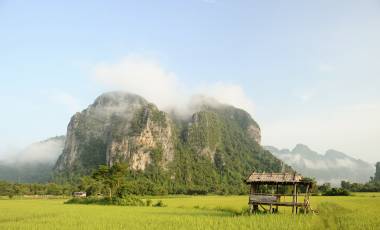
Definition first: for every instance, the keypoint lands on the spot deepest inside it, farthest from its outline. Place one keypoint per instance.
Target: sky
(307, 71)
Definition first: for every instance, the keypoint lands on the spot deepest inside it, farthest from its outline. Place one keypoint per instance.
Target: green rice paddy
(361, 211)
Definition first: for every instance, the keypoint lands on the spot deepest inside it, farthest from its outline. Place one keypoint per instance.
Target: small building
(79, 194)
(272, 190)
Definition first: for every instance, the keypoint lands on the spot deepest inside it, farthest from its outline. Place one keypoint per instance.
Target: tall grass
(194, 212)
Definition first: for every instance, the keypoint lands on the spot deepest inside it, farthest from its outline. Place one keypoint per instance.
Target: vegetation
(123, 201)
(372, 186)
(17, 189)
(336, 192)
(190, 212)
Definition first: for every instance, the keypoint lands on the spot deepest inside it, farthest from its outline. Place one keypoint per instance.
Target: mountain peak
(117, 98)
(301, 148)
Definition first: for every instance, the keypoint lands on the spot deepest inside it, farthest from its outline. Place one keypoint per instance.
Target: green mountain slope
(212, 150)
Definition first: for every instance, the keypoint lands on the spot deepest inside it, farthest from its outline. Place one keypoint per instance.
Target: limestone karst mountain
(216, 142)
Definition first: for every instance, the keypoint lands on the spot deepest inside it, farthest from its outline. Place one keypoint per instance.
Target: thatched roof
(270, 178)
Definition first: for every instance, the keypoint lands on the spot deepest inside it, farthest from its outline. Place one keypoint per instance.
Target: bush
(159, 204)
(336, 192)
(196, 192)
(125, 201)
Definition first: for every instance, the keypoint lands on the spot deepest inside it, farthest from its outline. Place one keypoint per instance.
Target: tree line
(372, 186)
(119, 180)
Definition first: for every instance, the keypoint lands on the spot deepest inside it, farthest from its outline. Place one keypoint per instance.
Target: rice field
(361, 211)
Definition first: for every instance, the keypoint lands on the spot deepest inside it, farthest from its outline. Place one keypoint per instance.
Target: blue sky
(308, 71)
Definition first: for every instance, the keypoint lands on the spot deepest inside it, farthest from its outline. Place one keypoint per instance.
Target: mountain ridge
(333, 166)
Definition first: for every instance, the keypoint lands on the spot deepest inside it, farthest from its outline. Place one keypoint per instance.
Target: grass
(189, 212)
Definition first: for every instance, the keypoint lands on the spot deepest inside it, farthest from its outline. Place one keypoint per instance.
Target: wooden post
(294, 197)
(306, 199)
(253, 207)
(256, 207)
(278, 197)
(270, 208)
(249, 199)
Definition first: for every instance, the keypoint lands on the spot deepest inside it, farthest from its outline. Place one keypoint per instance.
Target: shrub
(159, 204)
(336, 192)
(125, 201)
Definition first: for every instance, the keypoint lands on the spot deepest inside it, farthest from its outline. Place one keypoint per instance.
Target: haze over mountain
(332, 167)
(34, 163)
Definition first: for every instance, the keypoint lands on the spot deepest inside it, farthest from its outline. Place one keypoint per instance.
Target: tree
(377, 174)
(111, 178)
(324, 187)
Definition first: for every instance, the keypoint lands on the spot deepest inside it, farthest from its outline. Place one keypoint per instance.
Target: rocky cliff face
(117, 127)
(122, 127)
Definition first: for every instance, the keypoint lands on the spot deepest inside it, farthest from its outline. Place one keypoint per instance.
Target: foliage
(371, 186)
(336, 192)
(19, 189)
(124, 201)
(159, 204)
(324, 187)
(111, 179)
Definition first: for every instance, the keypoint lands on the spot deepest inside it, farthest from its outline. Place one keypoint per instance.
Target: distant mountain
(34, 163)
(331, 167)
(216, 144)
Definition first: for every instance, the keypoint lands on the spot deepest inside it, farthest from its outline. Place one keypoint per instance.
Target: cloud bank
(46, 151)
(146, 77)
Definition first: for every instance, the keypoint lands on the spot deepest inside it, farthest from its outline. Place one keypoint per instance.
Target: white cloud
(146, 77)
(229, 94)
(143, 76)
(69, 101)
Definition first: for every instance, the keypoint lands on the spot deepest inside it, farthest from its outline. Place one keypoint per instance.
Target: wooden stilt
(306, 200)
(294, 197)
(278, 197)
(270, 209)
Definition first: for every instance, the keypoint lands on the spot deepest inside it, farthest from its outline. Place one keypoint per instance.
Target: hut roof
(288, 178)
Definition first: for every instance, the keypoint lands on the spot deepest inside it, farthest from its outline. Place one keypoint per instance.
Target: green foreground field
(360, 211)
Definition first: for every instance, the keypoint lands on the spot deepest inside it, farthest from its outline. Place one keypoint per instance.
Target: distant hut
(79, 194)
(271, 189)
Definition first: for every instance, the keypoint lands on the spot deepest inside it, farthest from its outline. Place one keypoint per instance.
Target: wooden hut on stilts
(271, 190)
